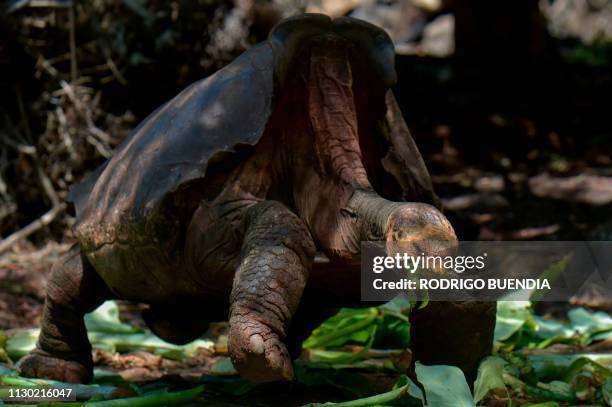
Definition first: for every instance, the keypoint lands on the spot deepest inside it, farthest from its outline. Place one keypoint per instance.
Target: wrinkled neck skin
(330, 177)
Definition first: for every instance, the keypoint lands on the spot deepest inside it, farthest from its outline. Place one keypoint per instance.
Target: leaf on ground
(583, 364)
(238, 387)
(589, 323)
(81, 391)
(148, 342)
(156, 398)
(490, 377)
(332, 356)
(606, 389)
(348, 325)
(104, 376)
(21, 343)
(106, 332)
(601, 336)
(400, 304)
(351, 383)
(515, 317)
(511, 316)
(392, 331)
(223, 367)
(558, 387)
(549, 367)
(444, 385)
(385, 326)
(404, 393)
(106, 319)
(550, 328)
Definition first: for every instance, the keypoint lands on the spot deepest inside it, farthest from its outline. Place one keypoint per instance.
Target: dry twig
(38, 224)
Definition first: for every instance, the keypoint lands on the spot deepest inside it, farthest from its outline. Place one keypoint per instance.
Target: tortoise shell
(144, 194)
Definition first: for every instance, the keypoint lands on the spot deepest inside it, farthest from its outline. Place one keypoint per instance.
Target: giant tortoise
(246, 198)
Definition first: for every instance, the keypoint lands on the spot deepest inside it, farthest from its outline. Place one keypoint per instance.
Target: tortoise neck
(332, 113)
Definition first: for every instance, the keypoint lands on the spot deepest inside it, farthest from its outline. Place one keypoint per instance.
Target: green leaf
(601, 336)
(107, 333)
(106, 319)
(400, 304)
(105, 376)
(585, 386)
(414, 392)
(386, 326)
(490, 377)
(585, 364)
(148, 342)
(444, 385)
(21, 343)
(404, 393)
(589, 323)
(511, 316)
(393, 331)
(352, 383)
(550, 367)
(348, 325)
(606, 389)
(332, 356)
(584, 327)
(223, 367)
(563, 389)
(5, 371)
(552, 395)
(547, 329)
(81, 391)
(152, 399)
(238, 387)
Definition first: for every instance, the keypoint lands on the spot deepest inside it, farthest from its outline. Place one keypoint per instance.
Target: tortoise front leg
(63, 351)
(276, 257)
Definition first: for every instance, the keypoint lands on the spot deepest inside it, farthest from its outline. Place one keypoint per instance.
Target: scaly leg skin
(63, 351)
(276, 257)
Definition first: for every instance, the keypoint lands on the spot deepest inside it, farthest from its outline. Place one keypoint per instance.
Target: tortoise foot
(42, 365)
(258, 353)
